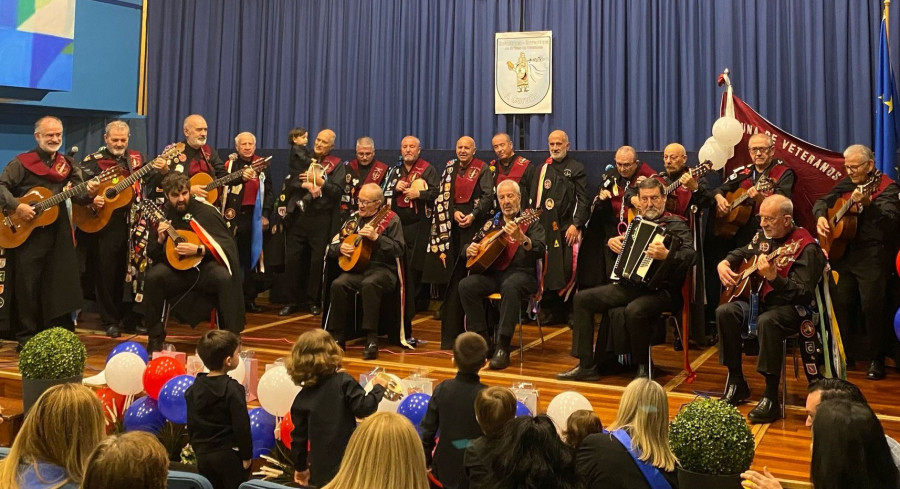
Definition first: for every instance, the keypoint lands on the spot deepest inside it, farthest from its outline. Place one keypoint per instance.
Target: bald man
(199, 156)
(310, 227)
(246, 208)
(785, 300)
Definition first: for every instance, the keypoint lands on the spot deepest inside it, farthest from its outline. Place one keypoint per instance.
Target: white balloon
(276, 391)
(239, 372)
(563, 405)
(727, 131)
(125, 374)
(713, 152)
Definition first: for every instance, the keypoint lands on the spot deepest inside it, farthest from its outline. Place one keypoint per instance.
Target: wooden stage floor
(782, 446)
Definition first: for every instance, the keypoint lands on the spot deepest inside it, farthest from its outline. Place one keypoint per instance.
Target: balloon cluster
(726, 133)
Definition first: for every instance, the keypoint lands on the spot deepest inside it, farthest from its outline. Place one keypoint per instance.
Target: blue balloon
(144, 415)
(262, 431)
(522, 410)
(171, 400)
(414, 407)
(131, 347)
(897, 321)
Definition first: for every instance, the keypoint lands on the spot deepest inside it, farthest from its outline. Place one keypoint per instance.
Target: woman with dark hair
(532, 456)
(849, 451)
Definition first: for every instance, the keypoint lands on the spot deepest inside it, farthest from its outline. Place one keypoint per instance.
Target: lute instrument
(362, 247)
(212, 186)
(174, 237)
(496, 241)
(842, 218)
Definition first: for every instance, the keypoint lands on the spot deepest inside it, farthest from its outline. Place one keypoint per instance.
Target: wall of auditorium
(104, 81)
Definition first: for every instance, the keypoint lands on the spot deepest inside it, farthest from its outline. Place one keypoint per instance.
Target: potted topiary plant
(53, 356)
(713, 445)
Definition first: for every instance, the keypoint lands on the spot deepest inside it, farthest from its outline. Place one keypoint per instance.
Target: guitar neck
(867, 189)
(135, 176)
(753, 268)
(224, 180)
(63, 196)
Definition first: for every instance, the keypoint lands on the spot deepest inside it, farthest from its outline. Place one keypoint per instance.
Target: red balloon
(113, 404)
(898, 263)
(287, 426)
(159, 371)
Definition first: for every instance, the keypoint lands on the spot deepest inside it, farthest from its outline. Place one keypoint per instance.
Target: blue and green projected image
(37, 43)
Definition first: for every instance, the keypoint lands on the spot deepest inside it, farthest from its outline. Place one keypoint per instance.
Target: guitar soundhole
(357, 241)
(110, 193)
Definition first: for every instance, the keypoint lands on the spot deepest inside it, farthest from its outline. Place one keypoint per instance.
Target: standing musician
(197, 157)
(643, 305)
(513, 274)
(217, 274)
(788, 289)
(510, 166)
(361, 170)
(246, 207)
(377, 280)
(413, 202)
(859, 293)
(44, 285)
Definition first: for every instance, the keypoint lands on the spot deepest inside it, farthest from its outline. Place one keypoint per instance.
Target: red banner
(816, 169)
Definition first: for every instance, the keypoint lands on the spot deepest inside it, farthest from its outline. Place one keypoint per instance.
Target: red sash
(415, 172)
(383, 224)
(251, 187)
(330, 163)
(516, 170)
(502, 262)
(57, 172)
(376, 173)
(774, 173)
(681, 195)
(466, 178)
(784, 263)
(134, 162)
(202, 165)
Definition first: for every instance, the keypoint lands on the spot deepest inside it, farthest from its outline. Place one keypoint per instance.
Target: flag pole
(887, 18)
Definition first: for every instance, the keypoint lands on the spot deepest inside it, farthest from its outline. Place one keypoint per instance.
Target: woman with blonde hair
(135, 460)
(635, 454)
(58, 435)
(385, 452)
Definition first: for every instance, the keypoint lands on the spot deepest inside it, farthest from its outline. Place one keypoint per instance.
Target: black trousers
(374, 285)
(306, 240)
(774, 324)
(860, 297)
(415, 235)
(514, 286)
(32, 276)
(107, 255)
(164, 282)
(244, 239)
(223, 468)
(643, 308)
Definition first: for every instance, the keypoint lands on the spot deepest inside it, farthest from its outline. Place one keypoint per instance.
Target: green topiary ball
(55, 353)
(710, 437)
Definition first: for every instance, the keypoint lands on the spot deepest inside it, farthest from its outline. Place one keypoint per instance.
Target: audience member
(134, 460)
(580, 424)
(324, 412)
(384, 453)
(58, 435)
(531, 455)
(452, 411)
(494, 407)
(217, 420)
(635, 453)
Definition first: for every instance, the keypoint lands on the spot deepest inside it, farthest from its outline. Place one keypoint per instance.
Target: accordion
(633, 265)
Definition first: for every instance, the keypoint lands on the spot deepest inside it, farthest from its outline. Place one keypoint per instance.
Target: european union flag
(885, 128)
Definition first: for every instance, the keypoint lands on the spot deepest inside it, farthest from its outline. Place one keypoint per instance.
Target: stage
(783, 446)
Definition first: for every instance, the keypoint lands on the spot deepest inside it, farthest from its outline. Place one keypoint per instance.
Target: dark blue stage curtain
(639, 72)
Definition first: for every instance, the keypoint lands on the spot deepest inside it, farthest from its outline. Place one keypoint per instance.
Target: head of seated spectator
(384, 452)
(644, 414)
(531, 454)
(469, 352)
(494, 407)
(825, 389)
(315, 355)
(134, 460)
(57, 437)
(580, 424)
(849, 448)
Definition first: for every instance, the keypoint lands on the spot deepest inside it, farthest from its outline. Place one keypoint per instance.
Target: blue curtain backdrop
(638, 72)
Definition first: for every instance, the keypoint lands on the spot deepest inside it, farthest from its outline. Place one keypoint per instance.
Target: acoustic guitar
(495, 242)
(842, 218)
(212, 186)
(174, 237)
(14, 231)
(118, 194)
(362, 247)
(745, 283)
(696, 172)
(728, 225)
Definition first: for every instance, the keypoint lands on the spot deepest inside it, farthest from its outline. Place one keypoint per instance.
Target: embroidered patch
(807, 329)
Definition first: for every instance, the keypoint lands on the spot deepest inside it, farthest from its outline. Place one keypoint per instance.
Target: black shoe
(580, 373)
(736, 392)
(252, 307)
(876, 370)
(315, 310)
(113, 331)
(370, 352)
(140, 329)
(287, 310)
(766, 411)
(500, 359)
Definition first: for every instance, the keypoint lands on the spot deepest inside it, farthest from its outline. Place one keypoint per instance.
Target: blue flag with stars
(885, 129)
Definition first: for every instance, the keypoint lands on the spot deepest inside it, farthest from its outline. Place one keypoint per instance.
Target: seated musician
(643, 305)
(217, 274)
(377, 279)
(513, 274)
(788, 286)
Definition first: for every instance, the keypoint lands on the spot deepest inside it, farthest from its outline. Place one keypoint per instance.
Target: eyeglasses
(367, 202)
(854, 168)
(765, 219)
(760, 149)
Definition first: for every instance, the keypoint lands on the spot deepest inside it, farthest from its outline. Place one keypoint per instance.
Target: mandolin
(174, 237)
(14, 231)
(495, 242)
(362, 248)
(744, 283)
(212, 186)
(118, 194)
(842, 218)
(728, 225)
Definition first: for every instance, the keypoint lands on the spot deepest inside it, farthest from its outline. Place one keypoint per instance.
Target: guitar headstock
(530, 215)
(109, 173)
(765, 184)
(156, 214)
(170, 152)
(702, 169)
(872, 185)
(260, 164)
